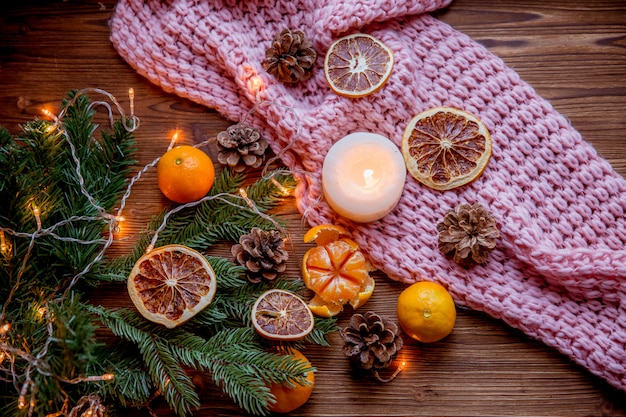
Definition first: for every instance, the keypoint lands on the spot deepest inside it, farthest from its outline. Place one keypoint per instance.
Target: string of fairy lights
(90, 405)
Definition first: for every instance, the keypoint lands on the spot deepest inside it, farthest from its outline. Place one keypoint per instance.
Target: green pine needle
(51, 319)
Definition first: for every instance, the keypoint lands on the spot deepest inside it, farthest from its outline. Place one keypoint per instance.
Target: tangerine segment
(357, 65)
(324, 233)
(445, 147)
(364, 295)
(170, 284)
(321, 308)
(337, 271)
(281, 315)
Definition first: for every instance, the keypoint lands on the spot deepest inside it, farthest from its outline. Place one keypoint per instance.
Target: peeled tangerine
(335, 270)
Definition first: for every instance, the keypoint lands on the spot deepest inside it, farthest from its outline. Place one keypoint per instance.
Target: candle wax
(363, 176)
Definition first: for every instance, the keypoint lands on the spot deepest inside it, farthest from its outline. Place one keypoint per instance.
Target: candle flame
(368, 176)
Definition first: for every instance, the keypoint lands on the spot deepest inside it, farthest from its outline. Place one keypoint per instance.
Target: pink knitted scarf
(559, 271)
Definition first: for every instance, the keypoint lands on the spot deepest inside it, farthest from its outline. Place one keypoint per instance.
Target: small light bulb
(49, 114)
(37, 213)
(173, 141)
(256, 84)
(282, 188)
(3, 243)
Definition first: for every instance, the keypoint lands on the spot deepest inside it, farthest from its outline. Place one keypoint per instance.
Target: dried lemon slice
(281, 315)
(445, 147)
(170, 284)
(358, 65)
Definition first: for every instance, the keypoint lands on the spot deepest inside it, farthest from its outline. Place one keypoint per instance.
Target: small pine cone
(241, 146)
(291, 57)
(468, 234)
(262, 253)
(371, 341)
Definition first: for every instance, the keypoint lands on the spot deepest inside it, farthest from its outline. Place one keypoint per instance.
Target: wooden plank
(571, 51)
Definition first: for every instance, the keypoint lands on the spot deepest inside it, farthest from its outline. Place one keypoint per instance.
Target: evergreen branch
(161, 361)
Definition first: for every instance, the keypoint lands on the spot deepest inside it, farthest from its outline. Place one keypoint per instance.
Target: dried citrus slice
(358, 65)
(170, 284)
(281, 315)
(336, 271)
(445, 147)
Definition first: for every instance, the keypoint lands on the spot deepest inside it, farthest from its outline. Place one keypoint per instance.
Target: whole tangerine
(426, 311)
(288, 398)
(185, 174)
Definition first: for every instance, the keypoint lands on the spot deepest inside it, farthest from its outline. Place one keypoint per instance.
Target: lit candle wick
(363, 176)
(368, 176)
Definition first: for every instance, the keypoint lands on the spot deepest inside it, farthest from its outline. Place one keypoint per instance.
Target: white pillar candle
(363, 176)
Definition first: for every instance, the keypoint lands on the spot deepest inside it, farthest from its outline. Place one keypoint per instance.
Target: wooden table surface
(572, 51)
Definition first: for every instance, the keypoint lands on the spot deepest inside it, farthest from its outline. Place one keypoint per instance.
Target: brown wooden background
(572, 51)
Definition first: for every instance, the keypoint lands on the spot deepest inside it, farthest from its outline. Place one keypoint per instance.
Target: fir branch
(161, 361)
(216, 220)
(49, 246)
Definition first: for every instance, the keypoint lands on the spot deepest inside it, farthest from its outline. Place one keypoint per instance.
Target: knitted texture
(559, 270)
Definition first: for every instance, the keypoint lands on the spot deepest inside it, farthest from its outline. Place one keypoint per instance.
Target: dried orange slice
(336, 271)
(281, 315)
(358, 65)
(170, 284)
(445, 147)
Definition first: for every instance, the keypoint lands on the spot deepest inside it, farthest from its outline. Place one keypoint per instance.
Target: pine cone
(291, 57)
(262, 253)
(371, 341)
(468, 234)
(241, 146)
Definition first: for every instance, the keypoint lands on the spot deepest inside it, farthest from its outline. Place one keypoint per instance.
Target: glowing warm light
(244, 195)
(5, 328)
(256, 84)
(393, 376)
(108, 377)
(131, 96)
(21, 402)
(41, 311)
(149, 248)
(281, 187)
(37, 214)
(173, 141)
(363, 176)
(3, 243)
